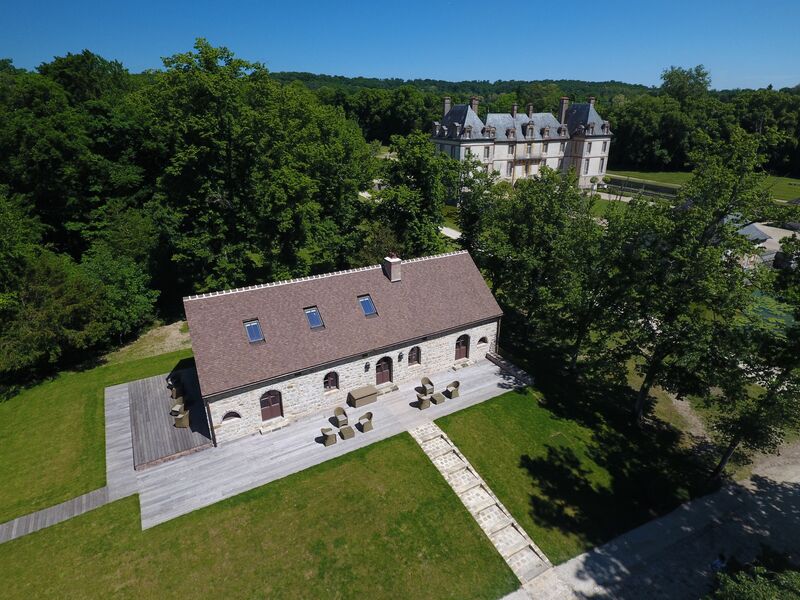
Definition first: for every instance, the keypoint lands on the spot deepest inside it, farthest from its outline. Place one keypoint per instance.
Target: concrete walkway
(510, 540)
(453, 234)
(671, 557)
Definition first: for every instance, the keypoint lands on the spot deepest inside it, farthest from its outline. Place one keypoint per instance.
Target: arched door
(271, 405)
(462, 347)
(383, 370)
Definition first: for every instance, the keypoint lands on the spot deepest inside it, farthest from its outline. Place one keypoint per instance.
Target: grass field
(379, 522)
(450, 214)
(783, 188)
(571, 485)
(53, 439)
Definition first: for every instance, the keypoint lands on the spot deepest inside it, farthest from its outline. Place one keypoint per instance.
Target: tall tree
(696, 281)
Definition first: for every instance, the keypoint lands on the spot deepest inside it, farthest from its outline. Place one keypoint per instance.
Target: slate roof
(435, 294)
(463, 114)
(583, 113)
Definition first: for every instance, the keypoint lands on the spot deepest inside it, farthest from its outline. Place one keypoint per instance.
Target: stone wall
(305, 394)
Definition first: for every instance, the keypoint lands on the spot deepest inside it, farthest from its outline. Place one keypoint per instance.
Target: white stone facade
(305, 393)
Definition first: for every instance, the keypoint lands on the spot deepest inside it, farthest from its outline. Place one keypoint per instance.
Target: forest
(120, 193)
(654, 127)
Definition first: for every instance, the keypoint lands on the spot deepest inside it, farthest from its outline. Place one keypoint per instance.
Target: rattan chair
(365, 421)
(452, 389)
(340, 415)
(328, 436)
(423, 401)
(427, 385)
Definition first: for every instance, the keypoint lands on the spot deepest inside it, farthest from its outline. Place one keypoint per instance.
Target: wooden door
(383, 371)
(271, 405)
(462, 347)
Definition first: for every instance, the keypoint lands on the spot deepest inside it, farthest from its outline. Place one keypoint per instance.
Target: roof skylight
(253, 329)
(314, 318)
(367, 306)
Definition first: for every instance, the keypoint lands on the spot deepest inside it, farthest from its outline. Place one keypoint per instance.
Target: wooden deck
(155, 438)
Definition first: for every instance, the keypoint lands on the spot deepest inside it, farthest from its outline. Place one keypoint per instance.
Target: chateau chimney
(514, 110)
(473, 103)
(562, 111)
(530, 110)
(446, 105)
(591, 100)
(391, 267)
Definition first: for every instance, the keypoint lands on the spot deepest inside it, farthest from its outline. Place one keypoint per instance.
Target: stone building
(517, 144)
(268, 354)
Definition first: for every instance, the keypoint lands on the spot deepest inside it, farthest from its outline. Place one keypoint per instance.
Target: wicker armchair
(427, 385)
(328, 436)
(182, 420)
(340, 415)
(452, 389)
(423, 401)
(365, 422)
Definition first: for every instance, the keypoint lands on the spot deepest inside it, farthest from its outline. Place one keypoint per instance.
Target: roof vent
(391, 267)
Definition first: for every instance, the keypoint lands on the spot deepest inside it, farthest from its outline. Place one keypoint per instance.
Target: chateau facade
(516, 145)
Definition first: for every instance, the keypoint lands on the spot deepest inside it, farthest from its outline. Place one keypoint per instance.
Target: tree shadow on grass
(650, 471)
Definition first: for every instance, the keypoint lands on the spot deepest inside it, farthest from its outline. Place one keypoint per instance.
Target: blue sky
(743, 44)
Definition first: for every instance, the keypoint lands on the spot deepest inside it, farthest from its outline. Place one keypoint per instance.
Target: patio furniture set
(428, 395)
(180, 408)
(345, 430)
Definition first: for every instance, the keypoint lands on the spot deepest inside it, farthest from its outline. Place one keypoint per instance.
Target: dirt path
(159, 340)
(694, 425)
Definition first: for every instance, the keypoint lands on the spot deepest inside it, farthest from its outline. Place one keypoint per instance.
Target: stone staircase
(526, 560)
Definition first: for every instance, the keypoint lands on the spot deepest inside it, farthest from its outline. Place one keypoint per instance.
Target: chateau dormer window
(545, 132)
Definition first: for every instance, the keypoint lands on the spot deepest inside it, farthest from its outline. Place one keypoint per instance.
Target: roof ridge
(310, 277)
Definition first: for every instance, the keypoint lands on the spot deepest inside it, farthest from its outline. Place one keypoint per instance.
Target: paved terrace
(174, 488)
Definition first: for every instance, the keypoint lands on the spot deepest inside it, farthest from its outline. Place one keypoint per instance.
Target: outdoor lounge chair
(177, 409)
(365, 421)
(346, 432)
(340, 415)
(423, 401)
(176, 391)
(182, 420)
(328, 436)
(427, 385)
(452, 389)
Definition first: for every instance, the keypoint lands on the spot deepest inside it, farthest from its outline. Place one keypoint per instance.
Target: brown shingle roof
(435, 294)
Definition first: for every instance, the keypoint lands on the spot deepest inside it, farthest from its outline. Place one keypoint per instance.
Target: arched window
(383, 370)
(483, 340)
(414, 356)
(331, 381)
(462, 347)
(230, 415)
(271, 405)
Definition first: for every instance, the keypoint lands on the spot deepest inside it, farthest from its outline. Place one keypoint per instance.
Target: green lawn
(571, 483)
(53, 438)
(601, 206)
(783, 188)
(450, 214)
(379, 522)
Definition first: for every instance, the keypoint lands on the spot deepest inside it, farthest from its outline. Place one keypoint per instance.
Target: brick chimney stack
(446, 105)
(514, 110)
(562, 112)
(591, 100)
(530, 110)
(473, 103)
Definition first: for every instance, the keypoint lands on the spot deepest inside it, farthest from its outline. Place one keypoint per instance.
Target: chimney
(530, 110)
(446, 105)
(591, 100)
(514, 110)
(391, 267)
(562, 111)
(473, 103)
